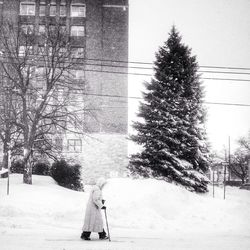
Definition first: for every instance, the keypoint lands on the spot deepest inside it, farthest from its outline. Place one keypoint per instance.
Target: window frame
(77, 5)
(60, 142)
(60, 93)
(27, 4)
(73, 147)
(78, 74)
(78, 52)
(77, 31)
(42, 26)
(25, 48)
(25, 29)
(42, 4)
(65, 13)
(54, 6)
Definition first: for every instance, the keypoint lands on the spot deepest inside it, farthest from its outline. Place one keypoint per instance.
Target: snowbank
(159, 205)
(3, 171)
(140, 212)
(43, 203)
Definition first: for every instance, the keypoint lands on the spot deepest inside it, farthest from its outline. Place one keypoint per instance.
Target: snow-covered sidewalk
(143, 214)
(68, 239)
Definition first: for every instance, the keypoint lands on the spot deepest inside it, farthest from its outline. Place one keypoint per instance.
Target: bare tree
(239, 164)
(42, 69)
(8, 131)
(244, 142)
(5, 123)
(239, 160)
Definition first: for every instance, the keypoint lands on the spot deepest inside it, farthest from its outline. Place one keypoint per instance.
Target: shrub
(17, 167)
(41, 168)
(67, 175)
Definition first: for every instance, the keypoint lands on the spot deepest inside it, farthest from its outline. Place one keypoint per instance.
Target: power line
(144, 74)
(225, 67)
(147, 68)
(127, 73)
(225, 79)
(148, 63)
(140, 98)
(223, 72)
(228, 104)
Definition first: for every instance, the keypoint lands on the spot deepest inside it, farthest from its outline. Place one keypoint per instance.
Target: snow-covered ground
(143, 215)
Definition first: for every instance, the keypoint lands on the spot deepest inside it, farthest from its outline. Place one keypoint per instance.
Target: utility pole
(9, 102)
(225, 170)
(8, 181)
(213, 183)
(229, 158)
(227, 166)
(248, 180)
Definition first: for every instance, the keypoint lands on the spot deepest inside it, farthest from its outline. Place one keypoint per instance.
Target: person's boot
(85, 235)
(103, 235)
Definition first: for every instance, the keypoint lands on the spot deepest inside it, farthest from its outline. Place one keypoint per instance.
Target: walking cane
(107, 224)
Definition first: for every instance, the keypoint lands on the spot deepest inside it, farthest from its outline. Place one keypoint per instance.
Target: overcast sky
(218, 31)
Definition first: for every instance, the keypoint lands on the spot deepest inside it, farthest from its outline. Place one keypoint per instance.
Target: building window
(52, 29)
(78, 74)
(78, 10)
(42, 9)
(77, 53)
(40, 73)
(63, 29)
(42, 29)
(45, 51)
(59, 144)
(52, 9)
(28, 72)
(62, 52)
(41, 50)
(63, 11)
(75, 145)
(27, 29)
(60, 98)
(27, 9)
(77, 31)
(25, 50)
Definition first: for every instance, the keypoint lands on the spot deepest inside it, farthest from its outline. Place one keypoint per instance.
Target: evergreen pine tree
(172, 132)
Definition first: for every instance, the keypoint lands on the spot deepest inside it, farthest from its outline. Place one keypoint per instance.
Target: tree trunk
(5, 155)
(5, 159)
(27, 174)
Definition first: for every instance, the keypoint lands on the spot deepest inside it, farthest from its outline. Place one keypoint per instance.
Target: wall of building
(106, 56)
(107, 49)
(102, 155)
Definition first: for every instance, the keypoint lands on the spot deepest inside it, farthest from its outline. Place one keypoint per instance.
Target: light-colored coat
(93, 218)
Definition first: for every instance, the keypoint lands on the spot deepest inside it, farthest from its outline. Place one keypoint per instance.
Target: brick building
(100, 32)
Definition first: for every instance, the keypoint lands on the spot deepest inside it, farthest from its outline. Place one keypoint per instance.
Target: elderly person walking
(93, 218)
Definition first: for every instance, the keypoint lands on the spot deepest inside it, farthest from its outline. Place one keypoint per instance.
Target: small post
(8, 181)
(225, 169)
(213, 183)
(248, 180)
(229, 158)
